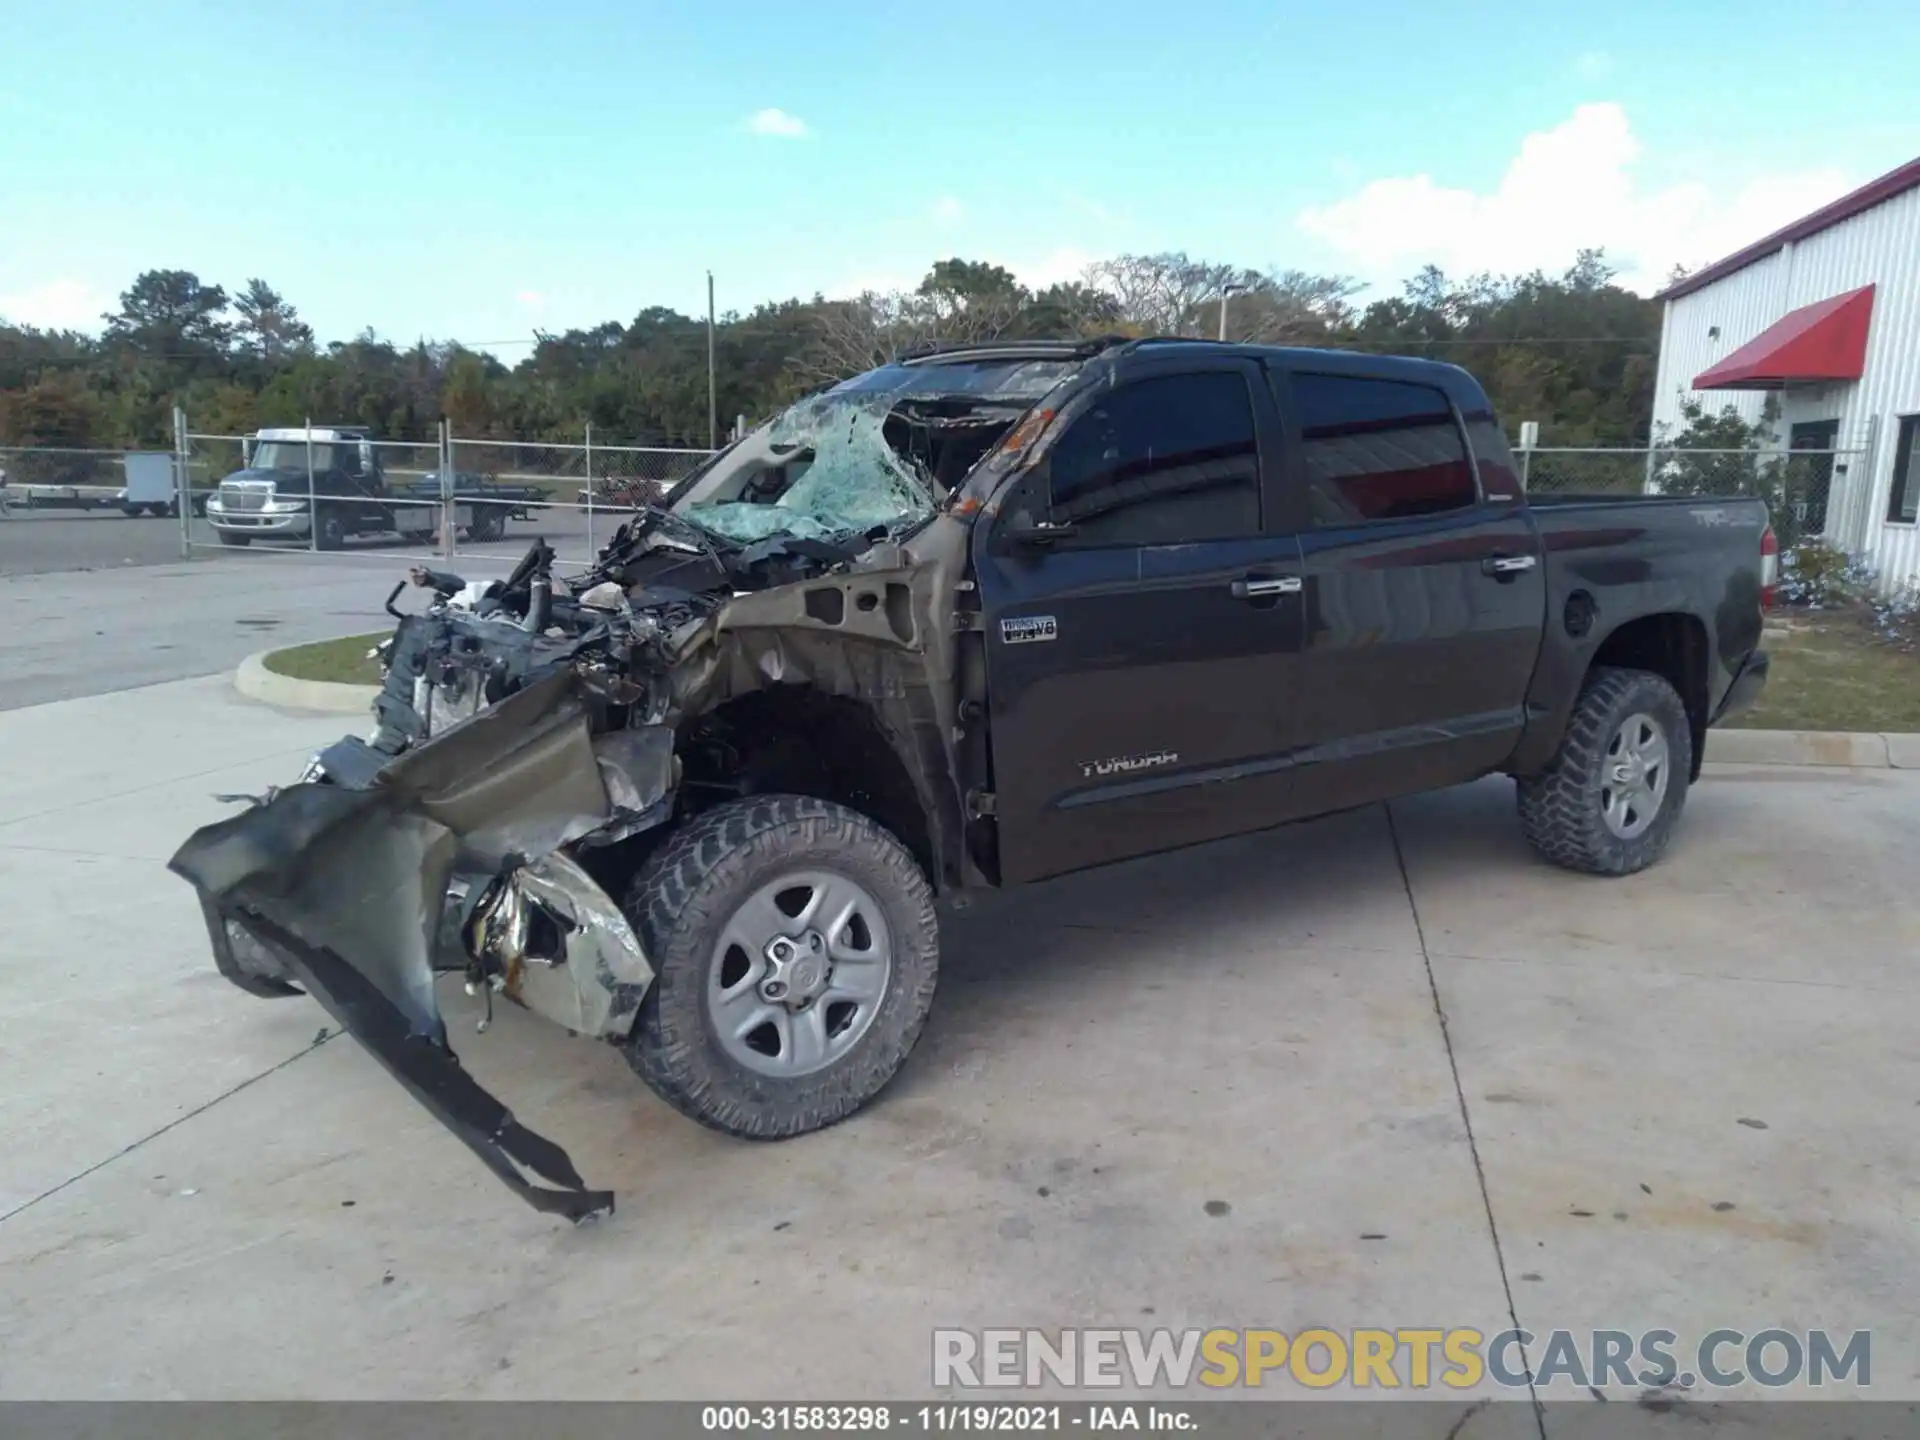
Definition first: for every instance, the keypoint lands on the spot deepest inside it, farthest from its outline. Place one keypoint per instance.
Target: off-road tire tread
(1560, 809)
(679, 896)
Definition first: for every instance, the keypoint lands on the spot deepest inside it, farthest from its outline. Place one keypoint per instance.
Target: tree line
(1575, 351)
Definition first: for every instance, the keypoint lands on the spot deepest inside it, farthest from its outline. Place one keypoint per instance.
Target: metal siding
(1742, 305)
(1880, 247)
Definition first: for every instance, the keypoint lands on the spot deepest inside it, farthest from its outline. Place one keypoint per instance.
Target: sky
(480, 171)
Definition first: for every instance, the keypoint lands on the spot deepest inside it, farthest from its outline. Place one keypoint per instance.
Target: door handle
(1253, 589)
(1505, 565)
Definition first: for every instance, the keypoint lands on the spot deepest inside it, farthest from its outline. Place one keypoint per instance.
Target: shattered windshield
(875, 453)
(840, 475)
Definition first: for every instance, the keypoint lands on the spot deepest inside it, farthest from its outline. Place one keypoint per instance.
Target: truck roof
(1458, 384)
(319, 432)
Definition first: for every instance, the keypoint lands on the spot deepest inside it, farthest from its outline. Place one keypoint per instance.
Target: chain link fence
(571, 496)
(336, 489)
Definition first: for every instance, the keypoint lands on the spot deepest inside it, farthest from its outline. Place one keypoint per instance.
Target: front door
(1139, 667)
(1809, 481)
(1423, 604)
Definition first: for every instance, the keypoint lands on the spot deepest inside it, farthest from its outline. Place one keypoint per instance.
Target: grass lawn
(1833, 671)
(343, 661)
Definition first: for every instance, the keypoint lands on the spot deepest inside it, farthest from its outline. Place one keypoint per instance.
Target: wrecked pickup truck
(969, 620)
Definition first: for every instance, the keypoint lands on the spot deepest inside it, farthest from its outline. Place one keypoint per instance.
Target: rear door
(1139, 669)
(1810, 480)
(1423, 600)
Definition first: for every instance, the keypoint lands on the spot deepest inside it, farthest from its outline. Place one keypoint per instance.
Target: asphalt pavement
(39, 542)
(91, 604)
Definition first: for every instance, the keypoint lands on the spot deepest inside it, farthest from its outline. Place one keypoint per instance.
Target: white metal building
(1825, 314)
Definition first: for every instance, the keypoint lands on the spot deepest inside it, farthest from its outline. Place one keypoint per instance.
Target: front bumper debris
(360, 890)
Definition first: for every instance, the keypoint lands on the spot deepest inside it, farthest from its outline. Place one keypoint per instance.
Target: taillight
(1769, 568)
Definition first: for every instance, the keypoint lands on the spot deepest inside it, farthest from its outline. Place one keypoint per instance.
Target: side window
(1379, 450)
(1499, 477)
(1161, 462)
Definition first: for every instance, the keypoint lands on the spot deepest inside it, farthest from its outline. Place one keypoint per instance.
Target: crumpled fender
(344, 891)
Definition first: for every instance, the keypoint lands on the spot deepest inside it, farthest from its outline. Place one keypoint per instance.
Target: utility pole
(713, 402)
(1224, 293)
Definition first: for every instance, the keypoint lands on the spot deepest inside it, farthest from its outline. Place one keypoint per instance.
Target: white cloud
(777, 124)
(1570, 188)
(57, 305)
(530, 299)
(1105, 214)
(1062, 263)
(1593, 65)
(947, 209)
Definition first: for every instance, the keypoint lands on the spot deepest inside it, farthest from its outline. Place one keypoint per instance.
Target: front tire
(1608, 803)
(795, 951)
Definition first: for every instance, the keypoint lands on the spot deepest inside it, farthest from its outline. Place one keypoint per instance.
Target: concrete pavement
(92, 632)
(1208, 1089)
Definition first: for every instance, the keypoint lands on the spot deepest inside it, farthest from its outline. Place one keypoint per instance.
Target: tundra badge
(1127, 764)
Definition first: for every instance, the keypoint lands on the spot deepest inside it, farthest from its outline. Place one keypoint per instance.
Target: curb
(1839, 749)
(255, 681)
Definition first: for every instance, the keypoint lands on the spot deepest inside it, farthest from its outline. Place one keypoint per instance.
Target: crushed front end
(531, 733)
(458, 839)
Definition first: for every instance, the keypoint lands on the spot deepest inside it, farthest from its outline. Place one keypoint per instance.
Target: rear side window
(1379, 450)
(1499, 480)
(1165, 461)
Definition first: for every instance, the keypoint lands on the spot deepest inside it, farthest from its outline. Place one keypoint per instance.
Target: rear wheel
(1609, 802)
(332, 530)
(795, 951)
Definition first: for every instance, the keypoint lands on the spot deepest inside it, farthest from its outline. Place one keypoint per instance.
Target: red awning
(1821, 342)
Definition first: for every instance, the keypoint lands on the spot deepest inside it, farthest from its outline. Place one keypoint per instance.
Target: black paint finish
(1417, 652)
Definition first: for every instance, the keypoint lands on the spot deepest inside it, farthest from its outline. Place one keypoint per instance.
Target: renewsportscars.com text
(1400, 1358)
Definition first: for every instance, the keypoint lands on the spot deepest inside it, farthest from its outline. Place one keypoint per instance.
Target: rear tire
(698, 905)
(489, 524)
(1608, 803)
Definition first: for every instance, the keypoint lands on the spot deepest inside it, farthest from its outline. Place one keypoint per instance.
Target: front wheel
(795, 951)
(1608, 803)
